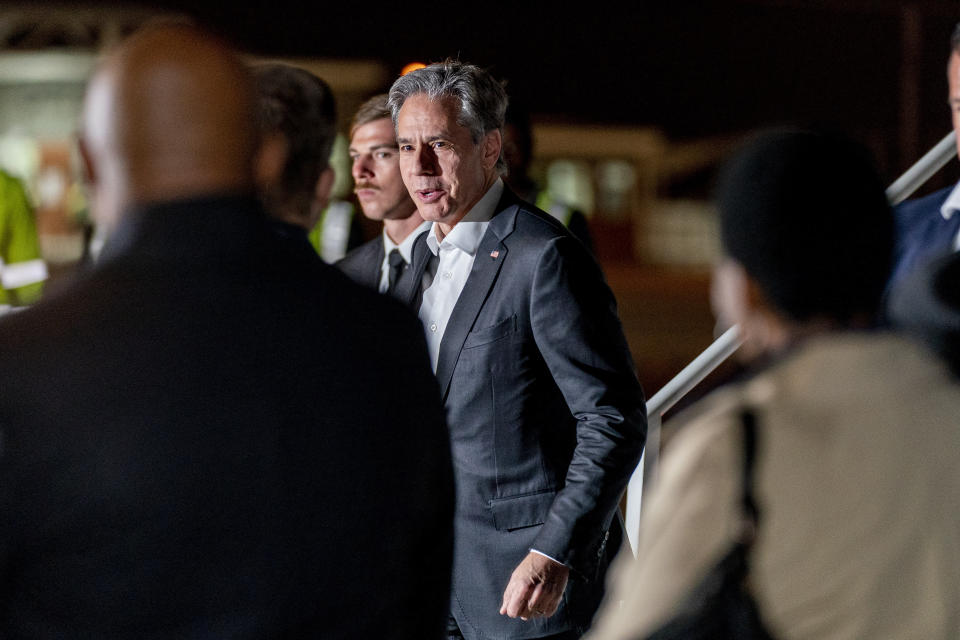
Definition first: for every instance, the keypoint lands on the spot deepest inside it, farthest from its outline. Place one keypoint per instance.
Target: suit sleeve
(578, 333)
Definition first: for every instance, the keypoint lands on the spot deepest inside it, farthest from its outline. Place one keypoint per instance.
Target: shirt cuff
(545, 555)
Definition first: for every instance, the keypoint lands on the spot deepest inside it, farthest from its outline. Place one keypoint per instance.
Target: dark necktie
(397, 264)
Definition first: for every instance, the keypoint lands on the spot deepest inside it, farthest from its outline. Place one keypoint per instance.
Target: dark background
(700, 72)
(875, 69)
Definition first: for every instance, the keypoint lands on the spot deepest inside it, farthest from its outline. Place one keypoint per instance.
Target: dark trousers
(453, 632)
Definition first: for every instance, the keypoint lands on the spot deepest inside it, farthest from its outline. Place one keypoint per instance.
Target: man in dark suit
(394, 261)
(545, 411)
(184, 450)
(297, 120)
(929, 227)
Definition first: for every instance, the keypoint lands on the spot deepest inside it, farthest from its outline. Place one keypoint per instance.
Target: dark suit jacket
(363, 266)
(185, 454)
(546, 416)
(363, 263)
(926, 304)
(922, 234)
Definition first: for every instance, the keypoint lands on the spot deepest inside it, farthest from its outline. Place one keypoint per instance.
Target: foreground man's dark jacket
(215, 435)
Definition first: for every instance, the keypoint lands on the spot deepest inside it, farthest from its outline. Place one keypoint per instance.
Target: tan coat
(858, 480)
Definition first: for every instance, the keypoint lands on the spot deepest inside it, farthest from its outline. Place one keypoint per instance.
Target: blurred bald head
(169, 114)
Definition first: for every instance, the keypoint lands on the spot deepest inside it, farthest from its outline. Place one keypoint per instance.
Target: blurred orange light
(413, 66)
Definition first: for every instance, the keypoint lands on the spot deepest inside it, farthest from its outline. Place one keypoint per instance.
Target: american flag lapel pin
(495, 254)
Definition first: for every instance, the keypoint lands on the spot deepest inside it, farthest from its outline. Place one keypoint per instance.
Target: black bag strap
(751, 511)
(720, 606)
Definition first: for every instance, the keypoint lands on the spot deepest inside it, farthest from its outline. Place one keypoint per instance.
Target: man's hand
(535, 588)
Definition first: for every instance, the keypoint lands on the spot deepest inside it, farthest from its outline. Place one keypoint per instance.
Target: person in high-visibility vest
(22, 269)
(518, 152)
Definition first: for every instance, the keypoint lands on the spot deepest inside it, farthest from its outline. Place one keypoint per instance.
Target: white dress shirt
(456, 253)
(950, 208)
(405, 248)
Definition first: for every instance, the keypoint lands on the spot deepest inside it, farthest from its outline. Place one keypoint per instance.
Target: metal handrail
(724, 346)
(694, 373)
(923, 169)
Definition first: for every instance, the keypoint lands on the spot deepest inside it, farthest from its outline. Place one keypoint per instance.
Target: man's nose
(361, 167)
(425, 162)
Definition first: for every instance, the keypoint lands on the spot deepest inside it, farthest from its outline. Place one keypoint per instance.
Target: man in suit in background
(296, 114)
(185, 452)
(546, 415)
(929, 227)
(298, 122)
(394, 261)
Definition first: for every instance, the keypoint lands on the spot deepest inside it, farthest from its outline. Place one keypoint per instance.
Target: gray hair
(483, 101)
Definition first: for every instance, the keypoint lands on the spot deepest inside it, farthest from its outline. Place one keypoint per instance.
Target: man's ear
(321, 192)
(492, 145)
(754, 297)
(270, 160)
(321, 196)
(88, 166)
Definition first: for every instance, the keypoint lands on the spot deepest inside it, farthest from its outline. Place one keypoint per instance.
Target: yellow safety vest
(22, 270)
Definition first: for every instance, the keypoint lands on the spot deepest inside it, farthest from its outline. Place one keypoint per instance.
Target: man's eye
(406, 148)
(439, 144)
(383, 155)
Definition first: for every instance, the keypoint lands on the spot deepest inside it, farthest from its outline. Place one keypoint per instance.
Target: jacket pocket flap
(521, 511)
(486, 335)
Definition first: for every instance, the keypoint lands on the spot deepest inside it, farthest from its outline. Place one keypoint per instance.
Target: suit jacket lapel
(375, 270)
(419, 259)
(486, 266)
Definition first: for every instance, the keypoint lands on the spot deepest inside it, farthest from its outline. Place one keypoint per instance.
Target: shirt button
(433, 327)
(447, 275)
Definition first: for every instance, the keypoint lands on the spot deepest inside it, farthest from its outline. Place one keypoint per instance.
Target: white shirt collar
(467, 234)
(952, 204)
(406, 245)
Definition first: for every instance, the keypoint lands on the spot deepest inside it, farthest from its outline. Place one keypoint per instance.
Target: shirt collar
(952, 204)
(406, 245)
(467, 234)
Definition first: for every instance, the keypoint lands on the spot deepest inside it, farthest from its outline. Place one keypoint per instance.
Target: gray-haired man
(545, 412)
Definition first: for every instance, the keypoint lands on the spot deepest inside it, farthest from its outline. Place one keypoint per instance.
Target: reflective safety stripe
(335, 230)
(21, 274)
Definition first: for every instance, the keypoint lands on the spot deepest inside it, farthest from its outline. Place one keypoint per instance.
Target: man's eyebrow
(376, 147)
(442, 135)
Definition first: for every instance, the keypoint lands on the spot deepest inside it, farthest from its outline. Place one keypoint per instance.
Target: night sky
(691, 68)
